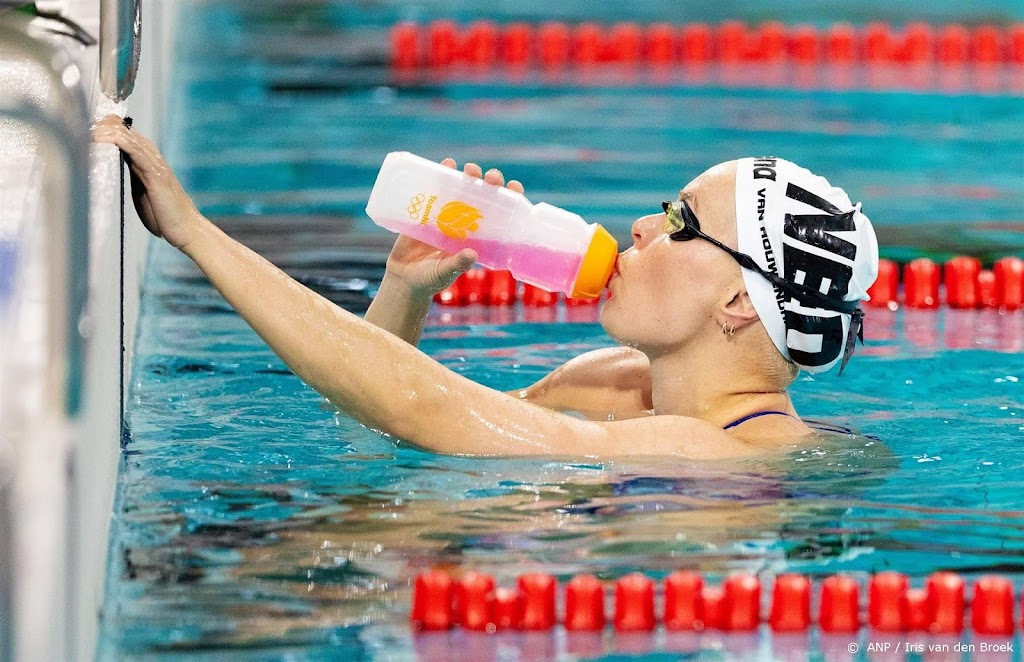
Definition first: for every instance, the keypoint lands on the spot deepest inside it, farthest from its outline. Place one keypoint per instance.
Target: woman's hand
(426, 270)
(164, 207)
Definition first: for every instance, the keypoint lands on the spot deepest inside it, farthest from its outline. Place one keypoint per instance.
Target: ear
(738, 311)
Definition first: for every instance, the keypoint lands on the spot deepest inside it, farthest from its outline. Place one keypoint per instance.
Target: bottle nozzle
(596, 267)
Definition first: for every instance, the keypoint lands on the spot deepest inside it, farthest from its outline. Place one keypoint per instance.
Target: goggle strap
(856, 333)
(691, 230)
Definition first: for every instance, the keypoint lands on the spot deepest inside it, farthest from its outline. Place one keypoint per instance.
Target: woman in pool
(709, 347)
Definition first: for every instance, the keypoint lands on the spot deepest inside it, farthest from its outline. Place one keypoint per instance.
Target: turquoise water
(255, 522)
(253, 518)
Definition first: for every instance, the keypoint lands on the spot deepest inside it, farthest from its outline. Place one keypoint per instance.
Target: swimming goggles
(681, 224)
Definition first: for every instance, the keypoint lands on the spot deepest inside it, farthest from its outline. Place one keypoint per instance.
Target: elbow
(414, 412)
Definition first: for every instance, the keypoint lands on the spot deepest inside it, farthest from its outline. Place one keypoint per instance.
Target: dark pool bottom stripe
(941, 607)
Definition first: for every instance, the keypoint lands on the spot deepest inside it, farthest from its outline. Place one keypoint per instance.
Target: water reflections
(252, 514)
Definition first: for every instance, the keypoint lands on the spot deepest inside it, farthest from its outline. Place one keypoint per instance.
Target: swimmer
(752, 274)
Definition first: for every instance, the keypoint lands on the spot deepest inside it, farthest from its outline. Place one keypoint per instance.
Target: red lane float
(584, 604)
(536, 297)
(840, 605)
(770, 42)
(945, 591)
(684, 606)
(588, 44)
(921, 284)
(1009, 276)
(696, 43)
(508, 608)
(960, 276)
(987, 289)
(713, 601)
(886, 288)
(660, 46)
(475, 285)
(432, 601)
(918, 610)
(742, 603)
(442, 38)
(918, 44)
(555, 42)
(887, 602)
(841, 43)
(954, 43)
(625, 43)
(987, 45)
(537, 593)
(405, 46)
(879, 43)
(516, 45)
(503, 288)
(1016, 44)
(732, 41)
(634, 604)
(474, 603)
(791, 604)
(481, 44)
(992, 606)
(803, 44)
(959, 283)
(480, 47)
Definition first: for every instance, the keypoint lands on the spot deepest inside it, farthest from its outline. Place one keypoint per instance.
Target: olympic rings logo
(415, 205)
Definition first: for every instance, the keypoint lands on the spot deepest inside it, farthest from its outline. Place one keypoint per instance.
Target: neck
(718, 381)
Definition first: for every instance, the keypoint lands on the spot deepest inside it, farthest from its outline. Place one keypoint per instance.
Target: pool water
(253, 521)
(252, 514)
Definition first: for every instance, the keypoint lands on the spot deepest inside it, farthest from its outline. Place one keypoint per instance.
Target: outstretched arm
(372, 375)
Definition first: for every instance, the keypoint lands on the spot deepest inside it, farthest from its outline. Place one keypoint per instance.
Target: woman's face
(664, 293)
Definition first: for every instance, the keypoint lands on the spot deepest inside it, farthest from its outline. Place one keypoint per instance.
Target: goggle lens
(680, 222)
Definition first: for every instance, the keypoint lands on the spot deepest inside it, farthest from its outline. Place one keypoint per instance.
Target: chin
(614, 322)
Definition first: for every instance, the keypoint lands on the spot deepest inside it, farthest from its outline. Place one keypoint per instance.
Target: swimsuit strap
(754, 415)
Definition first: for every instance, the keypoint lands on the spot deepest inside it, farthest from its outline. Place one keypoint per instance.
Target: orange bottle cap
(596, 267)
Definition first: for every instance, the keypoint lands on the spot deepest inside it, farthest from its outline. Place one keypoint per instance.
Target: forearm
(398, 310)
(361, 368)
(370, 374)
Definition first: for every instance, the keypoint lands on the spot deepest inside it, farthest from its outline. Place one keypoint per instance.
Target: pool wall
(100, 457)
(113, 312)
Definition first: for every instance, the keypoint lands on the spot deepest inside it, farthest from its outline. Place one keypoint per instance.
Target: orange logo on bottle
(457, 219)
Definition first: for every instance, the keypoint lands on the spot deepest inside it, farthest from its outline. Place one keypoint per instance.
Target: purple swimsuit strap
(754, 415)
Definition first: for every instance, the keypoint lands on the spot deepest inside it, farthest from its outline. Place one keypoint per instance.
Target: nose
(646, 228)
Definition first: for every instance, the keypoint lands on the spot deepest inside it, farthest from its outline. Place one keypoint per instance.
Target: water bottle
(540, 244)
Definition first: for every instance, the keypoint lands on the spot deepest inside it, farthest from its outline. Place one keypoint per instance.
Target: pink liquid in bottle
(537, 265)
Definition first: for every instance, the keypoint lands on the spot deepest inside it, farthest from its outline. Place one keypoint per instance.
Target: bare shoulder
(771, 431)
(603, 384)
(611, 362)
(680, 436)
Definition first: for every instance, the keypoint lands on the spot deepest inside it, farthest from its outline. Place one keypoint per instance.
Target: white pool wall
(101, 426)
(64, 510)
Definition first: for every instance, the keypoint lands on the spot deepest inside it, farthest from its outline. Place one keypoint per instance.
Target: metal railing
(120, 46)
(61, 124)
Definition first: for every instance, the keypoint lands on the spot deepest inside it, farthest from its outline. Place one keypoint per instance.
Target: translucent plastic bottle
(540, 244)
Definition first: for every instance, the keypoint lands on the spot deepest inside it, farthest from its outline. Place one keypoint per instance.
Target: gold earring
(728, 331)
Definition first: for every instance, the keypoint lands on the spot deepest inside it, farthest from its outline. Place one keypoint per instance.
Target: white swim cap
(796, 225)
